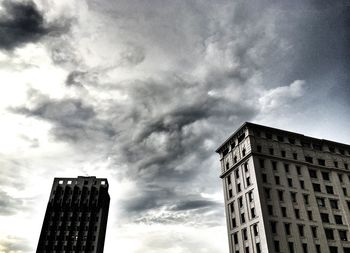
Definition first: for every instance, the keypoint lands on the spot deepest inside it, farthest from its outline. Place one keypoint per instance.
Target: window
(267, 193)
(234, 223)
(277, 246)
(346, 166)
(295, 156)
(346, 249)
(246, 167)
(325, 175)
(334, 203)
(241, 137)
(287, 228)
(235, 159)
(237, 173)
(314, 231)
(317, 146)
(227, 166)
(247, 249)
(301, 230)
(270, 209)
(228, 179)
(338, 219)
(255, 230)
(297, 213)
(302, 184)
(262, 163)
(235, 238)
(318, 248)
(321, 162)
(280, 138)
(345, 191)
(283, 153)
(268, 136)
(317, 187)
(252, 210)
(298, 170)
(259, 148)
(308, 159)
(264, 178)
(274, 165)
(239, 187)
(284, 211)
(273, 225)
(309, 214)
(244, 233)
(320, 202)
(271, 151)
(291, 247)
(86, 182)
(232, 208)
(230, 195)
(250, 196)
(280, 195)
(331, 149)
(342, 151)
(242, 218)
(240, 202)
(340, 176)
(248, 181)
(325, 217)
(333, 249)
(343, 236)
(313, 173)
(336, 164)
(329, 189)
(243, 152)
(258, 249)
(329, 233)
(291, 140)
(290, 182)
(277, 180)
(294, 197)
(304, 248)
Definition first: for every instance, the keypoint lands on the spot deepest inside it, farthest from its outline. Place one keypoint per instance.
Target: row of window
(303, 142)
(305, 248)
(244, 234)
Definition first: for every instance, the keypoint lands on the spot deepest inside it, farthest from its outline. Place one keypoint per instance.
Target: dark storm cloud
(8, 204)
(73, 121)
(22, 22)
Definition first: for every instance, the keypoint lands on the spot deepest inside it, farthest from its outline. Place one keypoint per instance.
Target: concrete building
(76, 216)
(285, 192)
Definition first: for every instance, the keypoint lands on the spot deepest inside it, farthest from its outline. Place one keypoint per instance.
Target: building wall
(279, 161)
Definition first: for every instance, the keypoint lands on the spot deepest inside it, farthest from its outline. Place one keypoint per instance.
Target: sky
(143, 92)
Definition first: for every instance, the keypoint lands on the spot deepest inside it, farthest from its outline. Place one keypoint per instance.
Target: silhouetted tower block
(76, 216)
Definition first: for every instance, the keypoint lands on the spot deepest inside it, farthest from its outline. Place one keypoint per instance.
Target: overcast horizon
(143, 92)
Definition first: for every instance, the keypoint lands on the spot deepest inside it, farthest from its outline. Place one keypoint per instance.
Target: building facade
(285, 192)
(76, 216)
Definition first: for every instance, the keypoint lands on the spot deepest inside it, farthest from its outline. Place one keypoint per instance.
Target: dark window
(305, 144)
(243, 152)
(304, 248)
(325, 176)
(247, 249)
(228, 179)
(320, 202)
(280, 195)
(291, 247)
(346, 166)
(329, 233)
(274, 165)
(237, 173)
(268, 193)
(309, 214)
(248, 181)
(246, 167)
(345, 191)
(325, 217)
(277, 246)
(283, 153)
(336, 164)
(334, 203)
(342, 151)
(258, 249)
(233, 144)
(313, 173)
(268, 136)
(287, 228)
(333, 249)
(255, 229)
(262, 163)
(259, 148)
(277, 180)
(241, 137)
(230, 195)
(340, 176)
(242, 218)
(332, 149)
(302, 185)
(271, 151)
(252, 210)
(293, 196)
(280, 138)
(273, 225)
(297, 213)
(295, 156)
(338, 219)
(239, 187)
(234, 224)
(343, 235)
(314, 231)
(235, 238)
(270, 209)
(245, 236)
(286, 167)
(232, 208)
(235, 159)
(329, 189)
(291, 140)
(301, 230)
(346, 249)
(321, 162)
(298, 170)
(317, 187)
(240, 202)
(264, 178)
(250, 196)
(227, 166)
(309, 159)
(290, 182)
(284, 211)
(317, 146)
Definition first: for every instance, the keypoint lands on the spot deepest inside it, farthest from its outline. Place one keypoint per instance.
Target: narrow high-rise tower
(76, 216)
(285, 192)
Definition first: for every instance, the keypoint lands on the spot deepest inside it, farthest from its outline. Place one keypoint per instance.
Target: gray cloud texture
(174, 79)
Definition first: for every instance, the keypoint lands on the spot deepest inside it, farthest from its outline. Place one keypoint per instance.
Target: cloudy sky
(143, 92)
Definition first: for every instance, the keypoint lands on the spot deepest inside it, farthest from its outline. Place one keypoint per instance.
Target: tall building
(76, 216)
(285, 192)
